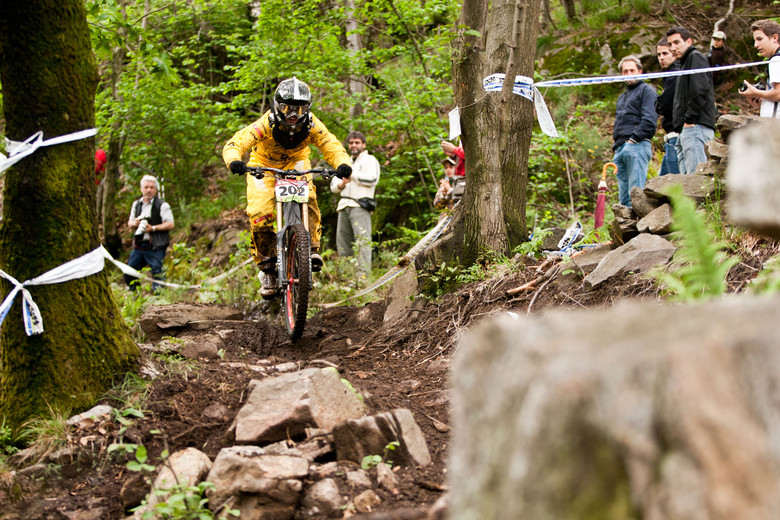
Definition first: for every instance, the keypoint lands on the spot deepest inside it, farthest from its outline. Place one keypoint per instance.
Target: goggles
(293, 110)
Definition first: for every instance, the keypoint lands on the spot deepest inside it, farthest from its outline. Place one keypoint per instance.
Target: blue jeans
(669, 164)
(690, 146)
(632, 160)
(140, 259)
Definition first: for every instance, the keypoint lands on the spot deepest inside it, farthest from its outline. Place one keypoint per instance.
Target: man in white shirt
(766, 39)
(354, 223)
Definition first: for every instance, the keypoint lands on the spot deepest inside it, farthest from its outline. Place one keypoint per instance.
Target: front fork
(288, 214)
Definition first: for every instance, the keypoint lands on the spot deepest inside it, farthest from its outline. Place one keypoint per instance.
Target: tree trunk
(354, 45)
(496, 128)
(571, 11)
(111, 238)
(48, 79)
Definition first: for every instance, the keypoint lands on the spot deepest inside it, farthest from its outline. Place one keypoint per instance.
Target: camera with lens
(142, 228)
(757, 86)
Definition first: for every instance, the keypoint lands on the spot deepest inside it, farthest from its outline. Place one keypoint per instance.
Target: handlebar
(261, 171)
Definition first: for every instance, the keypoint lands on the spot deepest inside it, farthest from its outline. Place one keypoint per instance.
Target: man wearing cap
(694, 110)
(717, 55)
(445, 196)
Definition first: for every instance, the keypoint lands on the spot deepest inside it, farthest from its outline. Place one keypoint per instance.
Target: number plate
(292, 190)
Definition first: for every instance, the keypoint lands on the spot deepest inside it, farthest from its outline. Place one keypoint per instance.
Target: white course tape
(18, 150)
(527, 88)
(81, 267)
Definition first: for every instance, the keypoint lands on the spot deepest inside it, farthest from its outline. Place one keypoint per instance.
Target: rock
(641, 203)
(716, 150)
(284, 406)
(94, 414)
(440, 509)
(358, 479)
(322, 499)
(171, 320)
(217, 411)
(637, 411)
(402, 293)
(697, 187)
(623, 212)
(640, 254)
(261, 485)
(310, 449)
(206, 347)
(753, 184)
(587, 261)
(386, 478)
(185, 468)
(727, 123)
(357, 438)
(658, 221)
(366, 501)
(622, 230)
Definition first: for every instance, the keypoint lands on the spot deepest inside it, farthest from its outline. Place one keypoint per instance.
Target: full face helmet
(292, 102)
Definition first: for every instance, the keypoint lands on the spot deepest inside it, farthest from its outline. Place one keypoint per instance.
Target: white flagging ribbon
(81, 267)
(527, 88)
(18, 150)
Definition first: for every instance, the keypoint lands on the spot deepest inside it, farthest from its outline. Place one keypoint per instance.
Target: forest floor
(401, 365)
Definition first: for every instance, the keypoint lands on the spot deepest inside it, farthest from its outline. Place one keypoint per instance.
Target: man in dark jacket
(665, 105)
(152, 219)
(694, 101)
(635, 121)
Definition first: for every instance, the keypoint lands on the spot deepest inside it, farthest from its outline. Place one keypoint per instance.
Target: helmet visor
(293, 110)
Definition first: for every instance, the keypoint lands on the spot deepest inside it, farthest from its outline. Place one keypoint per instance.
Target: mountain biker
(280, 139)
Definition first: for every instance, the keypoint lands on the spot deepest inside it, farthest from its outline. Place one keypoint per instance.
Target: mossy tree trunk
(49, 77)
(496, 128)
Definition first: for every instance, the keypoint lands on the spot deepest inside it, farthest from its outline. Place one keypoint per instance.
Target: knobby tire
(298, 277)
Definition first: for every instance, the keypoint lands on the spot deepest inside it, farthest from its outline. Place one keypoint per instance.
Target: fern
(701, 265)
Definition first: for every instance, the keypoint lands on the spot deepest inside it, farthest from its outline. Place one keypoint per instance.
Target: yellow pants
(261, 208)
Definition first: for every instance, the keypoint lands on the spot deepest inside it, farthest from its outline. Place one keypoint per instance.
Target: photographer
(152, 219)
(766, 39)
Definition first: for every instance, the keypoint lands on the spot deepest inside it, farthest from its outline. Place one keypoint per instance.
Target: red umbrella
(602, 198)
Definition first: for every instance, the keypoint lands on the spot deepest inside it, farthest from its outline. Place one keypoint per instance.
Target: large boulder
(752, 177)
(639, 411)
(285, 406)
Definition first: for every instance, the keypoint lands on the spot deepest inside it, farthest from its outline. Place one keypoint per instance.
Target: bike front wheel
(297, 274)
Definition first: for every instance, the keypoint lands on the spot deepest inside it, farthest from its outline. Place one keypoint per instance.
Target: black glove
(344, 171)
(238, 167)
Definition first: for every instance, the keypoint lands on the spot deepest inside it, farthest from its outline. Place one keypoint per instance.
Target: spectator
(152, 218)
(766, 39)
(635, 122)
(354, 223)
(664, 106)
(450, 187)
(694, 111)
(717, 55)
(456, 151)
(100, 164)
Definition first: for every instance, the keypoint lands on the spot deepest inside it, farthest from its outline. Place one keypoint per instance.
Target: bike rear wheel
(297, 274)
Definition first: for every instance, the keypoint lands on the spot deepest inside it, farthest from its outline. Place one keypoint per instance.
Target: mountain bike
(293, 242)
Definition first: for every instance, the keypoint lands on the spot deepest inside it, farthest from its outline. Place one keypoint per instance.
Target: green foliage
(7, 440)
(371, 461)
(767, 281)
(533, 247)
(700, 266)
